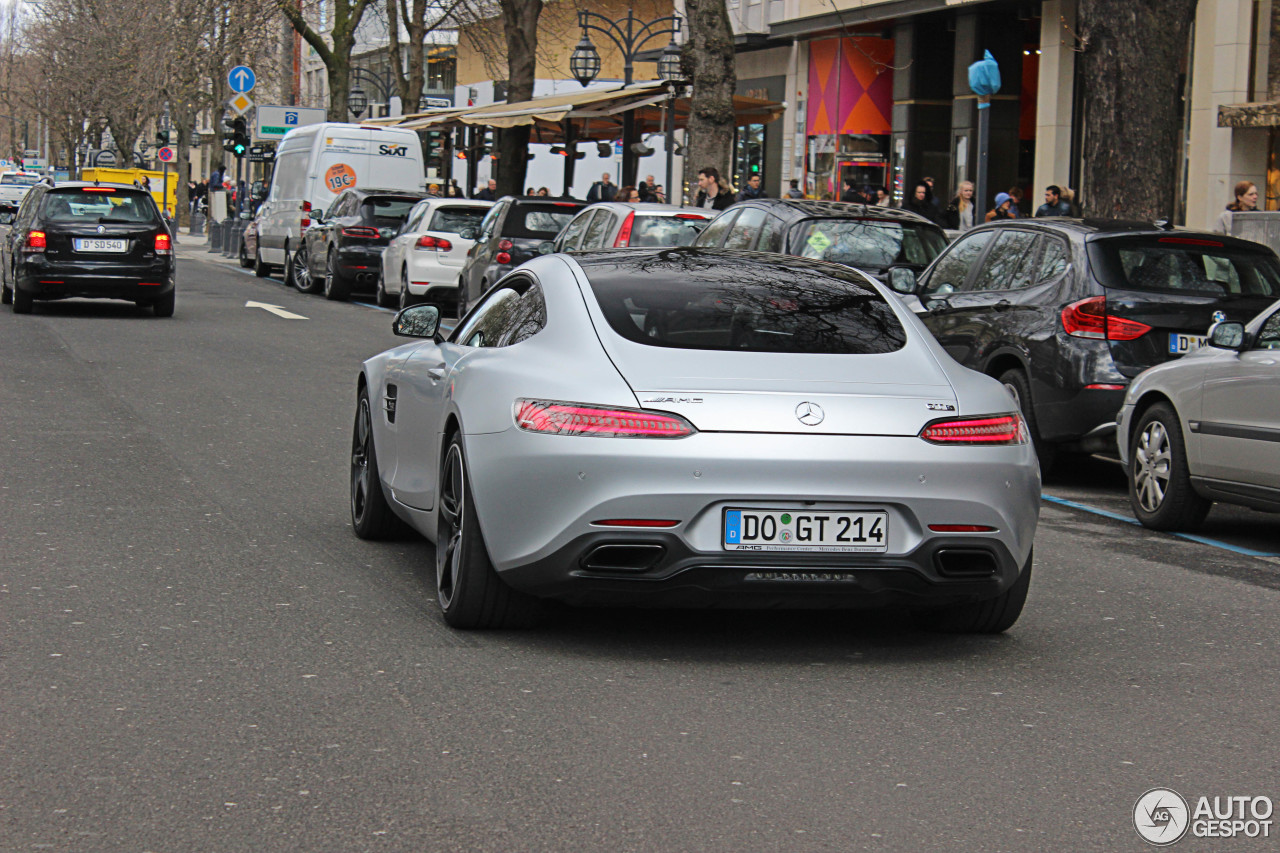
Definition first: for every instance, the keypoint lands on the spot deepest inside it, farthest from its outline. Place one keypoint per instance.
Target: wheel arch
(1005, 360)
(1144, 403)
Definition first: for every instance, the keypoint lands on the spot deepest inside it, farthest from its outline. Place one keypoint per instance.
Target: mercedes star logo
(809, 414)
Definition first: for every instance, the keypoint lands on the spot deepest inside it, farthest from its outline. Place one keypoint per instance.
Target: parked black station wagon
(95, 240)
(509, 235)
(869, 238)
(1065, 312)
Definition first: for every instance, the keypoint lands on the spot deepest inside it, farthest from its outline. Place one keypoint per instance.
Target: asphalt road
(196, 654)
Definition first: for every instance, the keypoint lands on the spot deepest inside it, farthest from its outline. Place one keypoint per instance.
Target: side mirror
(902, 280)
(1227, 336)
(317, 215)
(418, 321)
(546, 247)
(469, 233)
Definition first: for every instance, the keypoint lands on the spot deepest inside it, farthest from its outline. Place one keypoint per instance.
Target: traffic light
(162, 138)
(239, 136)
(228, 135)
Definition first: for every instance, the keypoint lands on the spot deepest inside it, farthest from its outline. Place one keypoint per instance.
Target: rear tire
(1160, 489)
(260, 269)
(1020, 387)
(6, 295)
(407, 299)
(302, 279)
(470, 593)
(371, 515)
(22, 302)
(245, 263)
(336, 288)
(984, 617)
(164, 305)
(381, 296)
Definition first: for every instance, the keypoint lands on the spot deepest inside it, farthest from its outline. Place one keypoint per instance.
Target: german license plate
(98, 244)
(805, 530)
(1183, 344)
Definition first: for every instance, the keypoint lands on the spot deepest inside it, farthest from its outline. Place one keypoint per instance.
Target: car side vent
(389, 404)
(964, 563)
(623, 557)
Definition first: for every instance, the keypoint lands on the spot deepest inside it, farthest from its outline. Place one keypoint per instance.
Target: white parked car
(15, 185)
(421, 265)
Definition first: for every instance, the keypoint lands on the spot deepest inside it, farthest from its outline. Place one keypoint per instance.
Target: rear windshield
(396, 209)
(23, 180)
(656, 231)
(1177, 264)
(453, 219)
(93, 204)
(868, 244)
(538, 220)
(707, 301)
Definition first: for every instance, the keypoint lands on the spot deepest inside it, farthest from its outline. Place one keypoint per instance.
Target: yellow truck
(129, 176)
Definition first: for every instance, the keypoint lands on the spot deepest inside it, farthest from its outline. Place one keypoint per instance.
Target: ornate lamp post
(357, 100)
(630, 35)
(669, 69)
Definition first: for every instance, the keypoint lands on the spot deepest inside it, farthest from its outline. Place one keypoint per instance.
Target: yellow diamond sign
(241, 103)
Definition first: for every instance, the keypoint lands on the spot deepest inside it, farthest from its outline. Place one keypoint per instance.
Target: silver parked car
(1206, 428)
(696, 427)
(615, 225)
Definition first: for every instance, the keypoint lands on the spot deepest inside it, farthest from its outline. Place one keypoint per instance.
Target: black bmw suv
(1066, 312)
(102, 241)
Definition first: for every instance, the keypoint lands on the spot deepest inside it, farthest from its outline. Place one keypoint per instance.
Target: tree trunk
(520, 26)
(1132, 65)
(708, 62)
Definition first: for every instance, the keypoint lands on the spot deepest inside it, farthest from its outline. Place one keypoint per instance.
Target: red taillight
(556, 418)
(505, 245)
(361, 231)
(99, 189)
(565, 204)
(306, 214)
(164, 244)
(36, 241)
(426, 241)
(636, 522)
(502, 258)
(691, 216)
(961, 528)
(624, 234)
(1088, 318)
(1191, 241)
(1105, 386)
(996, 429)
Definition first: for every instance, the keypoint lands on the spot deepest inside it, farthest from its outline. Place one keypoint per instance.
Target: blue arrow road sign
(241, 79)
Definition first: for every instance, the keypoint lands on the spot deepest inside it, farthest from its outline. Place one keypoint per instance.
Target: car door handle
(436, 372)
(1003, 305)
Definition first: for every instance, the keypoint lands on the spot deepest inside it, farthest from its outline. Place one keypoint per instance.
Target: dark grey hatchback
(1066, 312)
(102, 241)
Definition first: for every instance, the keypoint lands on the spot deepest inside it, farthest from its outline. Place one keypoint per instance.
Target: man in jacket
(602, 190)
(489, 193)
(1054, 205)
(753, 189)
(711, 196)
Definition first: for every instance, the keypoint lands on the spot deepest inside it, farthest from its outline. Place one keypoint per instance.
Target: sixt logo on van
(396, 150)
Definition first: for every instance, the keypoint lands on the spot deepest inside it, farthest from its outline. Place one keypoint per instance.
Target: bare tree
(335, 52)
(419, 18)
(1132, 53)
(708, 62)
(520, 26)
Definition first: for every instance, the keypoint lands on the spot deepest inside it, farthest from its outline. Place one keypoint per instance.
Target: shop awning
(595, 114)
(1265, 114)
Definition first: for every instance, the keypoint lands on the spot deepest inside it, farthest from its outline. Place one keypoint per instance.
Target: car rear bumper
(361, 264)
(1088, 418)
(143, 282)
(538, 524)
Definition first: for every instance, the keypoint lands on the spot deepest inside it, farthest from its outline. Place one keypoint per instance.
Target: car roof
(801, 207)
(77, 184)
(414, 194)
(640, 261)
(543, 199)
(652, 208)
(1093, 229)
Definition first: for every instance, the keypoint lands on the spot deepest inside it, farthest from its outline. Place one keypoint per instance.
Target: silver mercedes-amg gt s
(693, 427)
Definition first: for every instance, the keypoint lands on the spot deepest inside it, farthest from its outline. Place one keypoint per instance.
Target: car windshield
(1182, 264)
(870, 244)
(657, 231)
(699, 300)
(539, 220)
(452, 220)
(21, 180)
(99, 204)
(392, 209)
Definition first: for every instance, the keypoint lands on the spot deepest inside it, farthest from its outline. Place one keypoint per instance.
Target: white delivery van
(316, 162)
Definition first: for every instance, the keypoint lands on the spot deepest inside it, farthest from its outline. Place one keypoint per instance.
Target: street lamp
(630, 35)
(357, 101)
(669, 69)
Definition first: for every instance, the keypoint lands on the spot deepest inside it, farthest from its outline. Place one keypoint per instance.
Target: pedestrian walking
(1001, 210)
(934, 198)
(753, 189)
(602, 190)
(850, 194)
(489, 193)
(1246, 200)
(960, 213)
(794, 191)
(1054, 204)
(921, 203)
(1015, 197)
(712, 195)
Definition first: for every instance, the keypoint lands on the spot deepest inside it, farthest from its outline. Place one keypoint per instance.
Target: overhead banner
(850, 86)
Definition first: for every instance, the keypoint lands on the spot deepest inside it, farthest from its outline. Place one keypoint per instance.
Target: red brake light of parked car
(1191, 241)
(306, 214)
(99, 189)
(1088, 318)
(164, 244)
(556, 418)
(505, 245)
(502, 258)
(426, 241)
(36, 241)
(565, 203)
(360, 231)
(691, 216)
(624, 233)
(996, 429)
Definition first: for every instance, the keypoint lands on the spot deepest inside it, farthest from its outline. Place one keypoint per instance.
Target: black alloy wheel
(1160, 489)
(470, 593)
(371, 515)
(336, 289)
(303, 281)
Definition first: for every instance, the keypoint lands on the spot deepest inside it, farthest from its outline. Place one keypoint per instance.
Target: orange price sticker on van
(340, 177)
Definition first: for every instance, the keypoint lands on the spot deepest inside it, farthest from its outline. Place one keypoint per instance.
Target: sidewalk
(197, 248)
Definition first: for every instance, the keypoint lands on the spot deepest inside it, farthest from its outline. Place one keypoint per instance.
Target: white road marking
(275, 309)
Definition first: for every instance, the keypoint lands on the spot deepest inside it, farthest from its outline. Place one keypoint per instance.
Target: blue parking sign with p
(291, 118)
